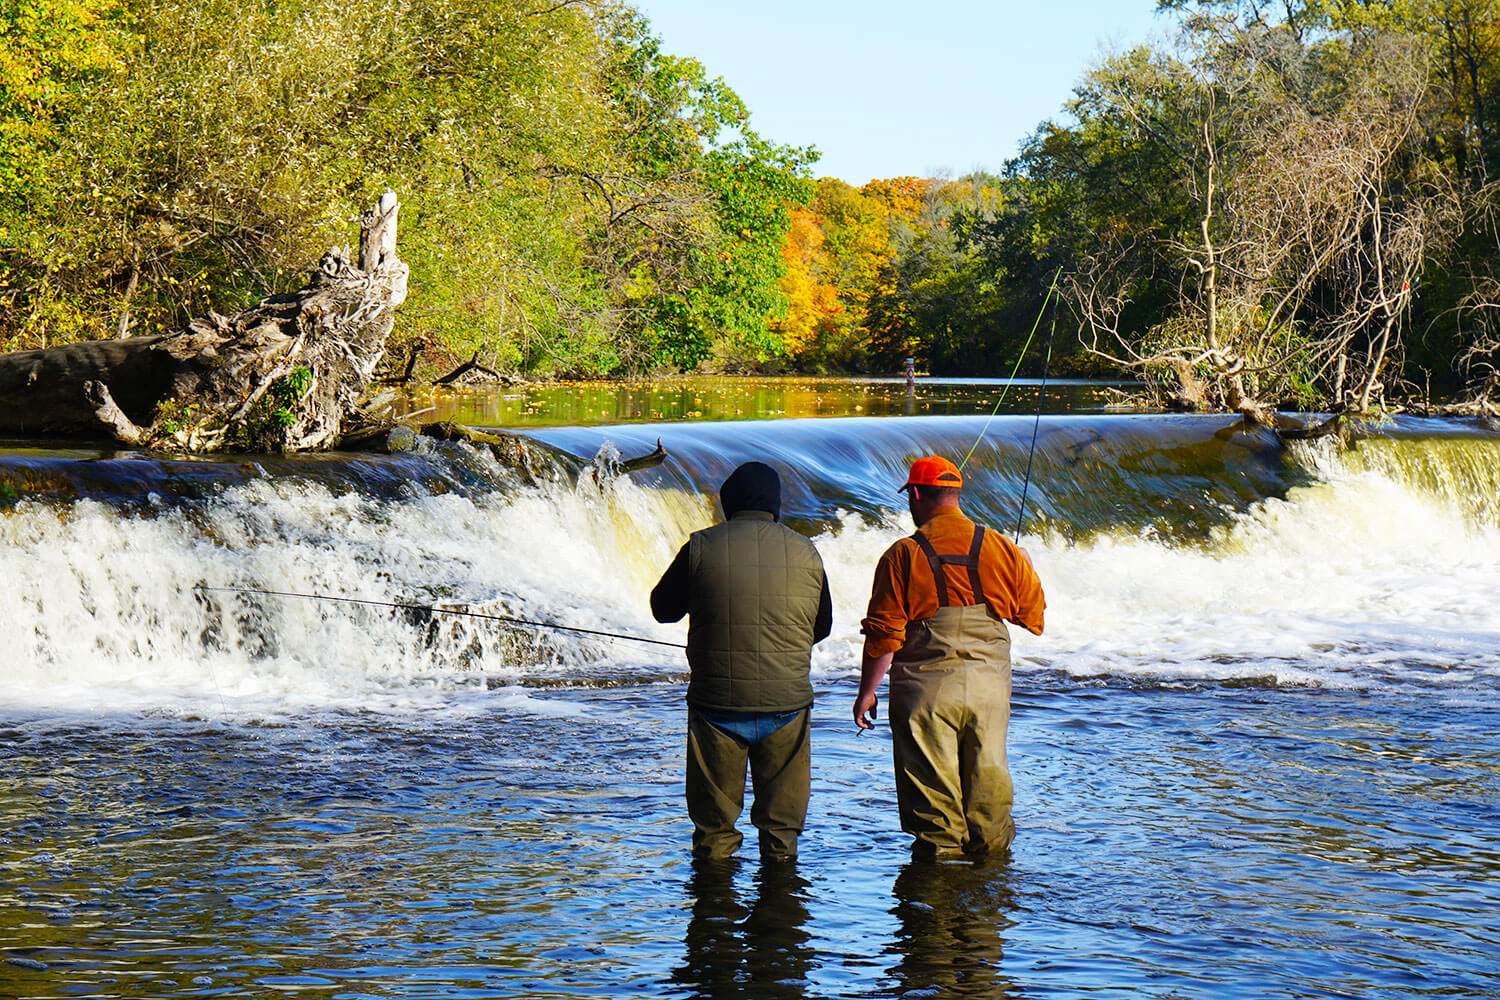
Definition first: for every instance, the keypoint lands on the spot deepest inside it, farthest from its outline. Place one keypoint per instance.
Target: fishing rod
(1041, 392)
(432, 609)
(1037, 423)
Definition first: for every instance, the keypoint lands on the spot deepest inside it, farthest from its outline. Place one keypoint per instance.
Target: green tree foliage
(50, 52)
(1305, 18)
(575, 200)
(698, 209)
(1269, 209)
(1170, 198)
(1102, 176)
(1169, 189)
(936, 302)
(1462, 38)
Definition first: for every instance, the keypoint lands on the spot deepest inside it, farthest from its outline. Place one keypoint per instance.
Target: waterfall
(1173, 550)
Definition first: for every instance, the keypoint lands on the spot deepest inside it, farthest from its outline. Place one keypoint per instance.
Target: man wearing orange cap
(936, 624)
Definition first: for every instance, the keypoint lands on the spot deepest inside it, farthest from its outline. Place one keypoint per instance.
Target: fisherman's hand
(864, 711)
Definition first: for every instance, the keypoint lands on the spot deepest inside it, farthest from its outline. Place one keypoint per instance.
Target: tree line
(1288, 203)
(578, 200)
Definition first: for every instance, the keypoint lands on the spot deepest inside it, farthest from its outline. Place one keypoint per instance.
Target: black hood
(753, 486)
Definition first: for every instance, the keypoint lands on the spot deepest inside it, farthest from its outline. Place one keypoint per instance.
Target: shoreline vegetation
(1287, 206)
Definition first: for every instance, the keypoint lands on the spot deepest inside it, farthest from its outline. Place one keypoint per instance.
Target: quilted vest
(756, 589)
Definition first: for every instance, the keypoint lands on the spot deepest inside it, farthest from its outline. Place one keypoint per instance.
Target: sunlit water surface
(1255, 753)
(1175, 840)
(545, 404)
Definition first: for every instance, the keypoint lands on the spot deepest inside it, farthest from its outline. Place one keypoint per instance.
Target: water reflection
(950, 939)
(727, 398)
(756, 948)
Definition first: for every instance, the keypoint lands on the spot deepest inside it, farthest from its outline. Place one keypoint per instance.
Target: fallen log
(472, 365)
(516, 451)
(508, 448)
(411, 366)
(648, 461)
(285, 375)
(1291, 429)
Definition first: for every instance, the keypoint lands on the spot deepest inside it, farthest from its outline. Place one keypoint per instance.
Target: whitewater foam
(1370, 578)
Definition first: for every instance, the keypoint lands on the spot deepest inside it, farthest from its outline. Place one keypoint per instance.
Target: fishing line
(1037, 423)
(1019, 358)
(1040, 393)
(430, 609)
(223, 708)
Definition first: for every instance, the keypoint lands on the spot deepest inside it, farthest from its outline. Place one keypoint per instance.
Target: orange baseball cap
(934, 470)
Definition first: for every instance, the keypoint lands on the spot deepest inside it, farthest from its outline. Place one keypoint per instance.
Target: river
(1255, 752)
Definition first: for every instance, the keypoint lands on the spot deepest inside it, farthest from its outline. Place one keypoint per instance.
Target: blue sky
(886, 89)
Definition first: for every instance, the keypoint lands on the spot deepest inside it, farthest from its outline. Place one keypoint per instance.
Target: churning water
(1255, 752)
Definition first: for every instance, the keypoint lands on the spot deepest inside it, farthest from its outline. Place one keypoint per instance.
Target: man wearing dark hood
(757, 600)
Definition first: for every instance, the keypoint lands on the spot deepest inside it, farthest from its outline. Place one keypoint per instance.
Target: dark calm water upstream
(1255, 754)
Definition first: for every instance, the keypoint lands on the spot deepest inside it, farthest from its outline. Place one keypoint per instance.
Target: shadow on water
(753, 941)
(951, 923)
(753, 944)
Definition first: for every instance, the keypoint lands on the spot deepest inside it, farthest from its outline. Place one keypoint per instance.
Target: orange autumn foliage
(847, 305)
(837, 254)
(812, 304)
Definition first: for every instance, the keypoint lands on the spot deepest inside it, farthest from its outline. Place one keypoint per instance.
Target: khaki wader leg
(925, 747)
(715, 787)
(950, 711)
(984, 769)
(781, 773)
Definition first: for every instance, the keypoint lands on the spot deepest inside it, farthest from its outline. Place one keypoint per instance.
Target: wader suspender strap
(971, 561)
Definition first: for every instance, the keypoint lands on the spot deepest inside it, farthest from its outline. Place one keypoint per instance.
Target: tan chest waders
(950, 709)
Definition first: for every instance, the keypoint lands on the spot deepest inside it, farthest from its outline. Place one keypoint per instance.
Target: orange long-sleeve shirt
(905, 591)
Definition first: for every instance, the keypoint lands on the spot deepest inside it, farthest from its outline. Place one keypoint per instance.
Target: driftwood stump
(286, 375)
